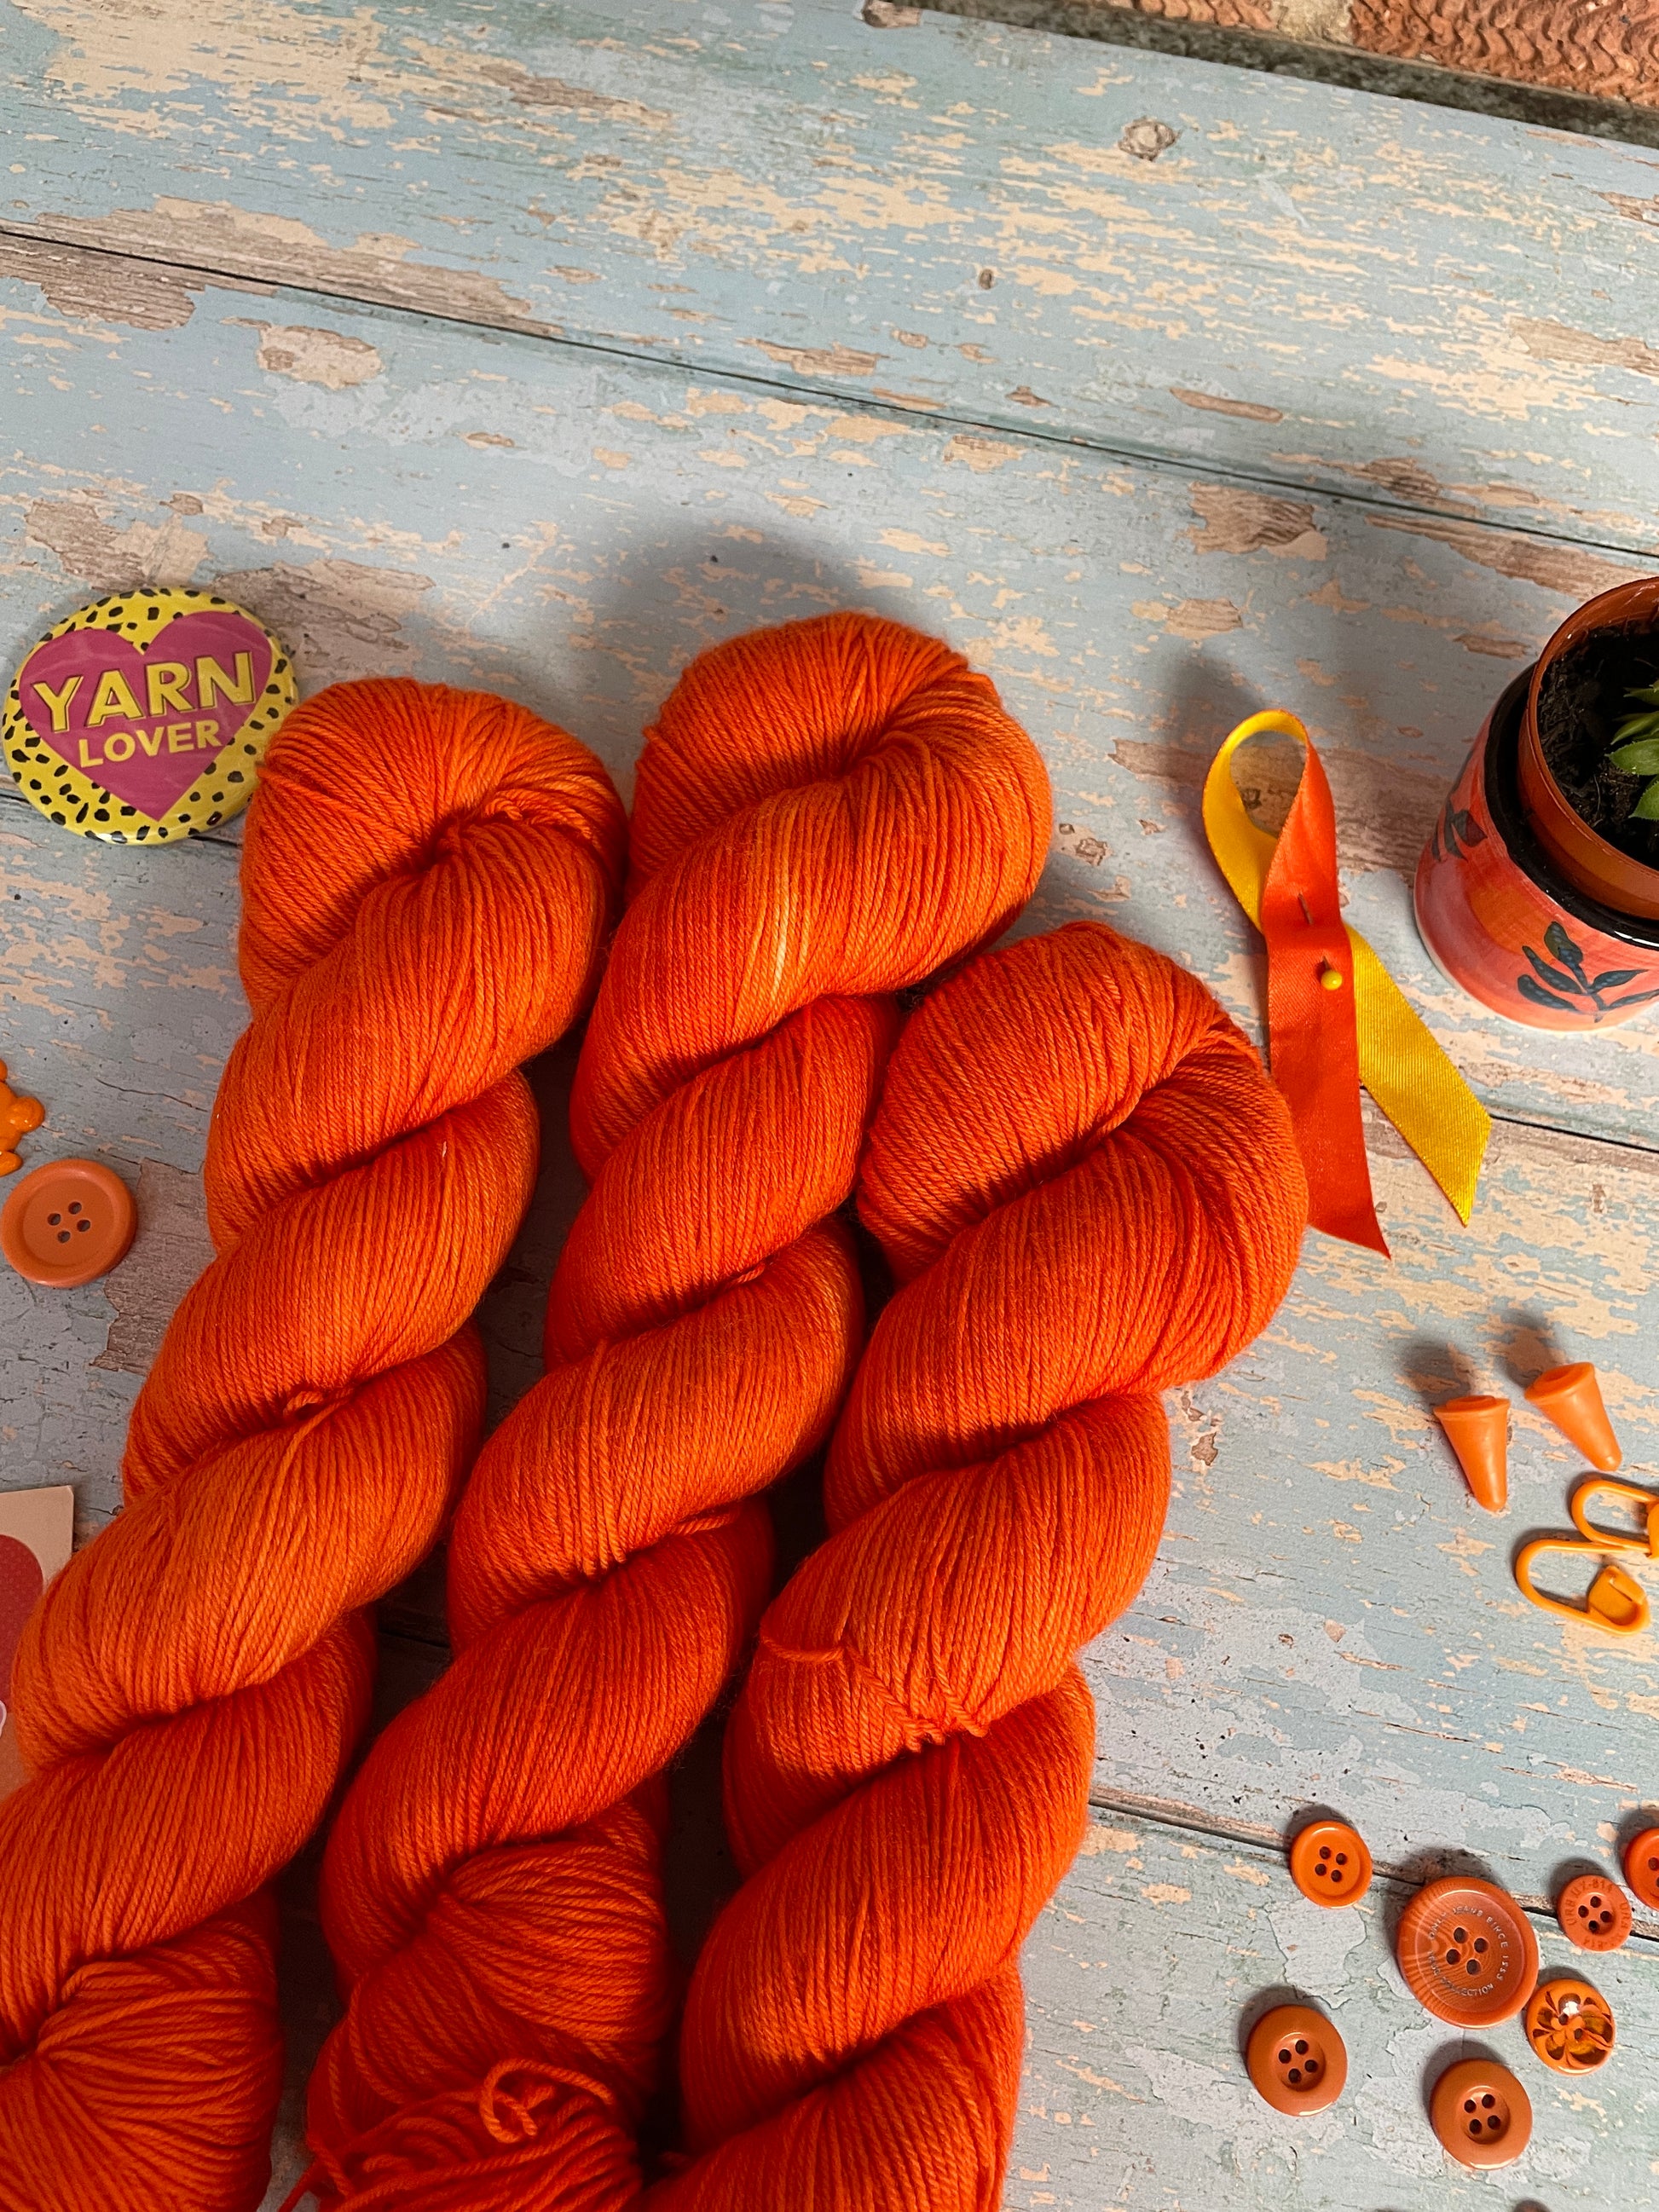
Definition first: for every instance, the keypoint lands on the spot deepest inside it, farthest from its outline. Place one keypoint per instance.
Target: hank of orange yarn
(188, 1689)
(1091, 1193)
(824, 813)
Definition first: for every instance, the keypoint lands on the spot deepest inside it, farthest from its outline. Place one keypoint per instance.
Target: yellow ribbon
(1400, 1063)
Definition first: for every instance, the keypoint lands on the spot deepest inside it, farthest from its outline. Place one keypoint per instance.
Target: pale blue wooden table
(536, 346)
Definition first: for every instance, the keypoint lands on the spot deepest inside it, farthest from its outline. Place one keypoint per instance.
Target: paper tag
(141, 718)
(37, 1533)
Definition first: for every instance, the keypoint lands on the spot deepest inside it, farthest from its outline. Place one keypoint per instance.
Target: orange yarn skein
(1089, 1192)
(824, 813)
(190, 1686)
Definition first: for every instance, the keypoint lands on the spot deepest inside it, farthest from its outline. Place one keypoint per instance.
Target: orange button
(1642, 1867)
(1467, 1952)
(1569, 2025)
(67, 1222)
(1480, 2112)
(1297, 2059)
(1329, 1862)
(1594, 1913)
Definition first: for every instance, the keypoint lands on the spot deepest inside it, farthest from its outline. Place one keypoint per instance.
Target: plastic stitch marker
(1646, 1502)
(1570, 1397)
(1615, 1602)
(1478, 1429)
(18, 1116)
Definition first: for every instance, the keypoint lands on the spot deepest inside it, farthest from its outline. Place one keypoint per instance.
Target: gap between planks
(641, 353)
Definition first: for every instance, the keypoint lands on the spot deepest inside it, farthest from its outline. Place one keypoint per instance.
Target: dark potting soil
(1581, 703)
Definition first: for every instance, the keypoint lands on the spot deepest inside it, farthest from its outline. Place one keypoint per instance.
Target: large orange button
(1569, 2025)
(1642, 1867)
(1480, 2112)
(1467, 1952)
(67, 1222)
(1329, 1862)
(1297, 2059)
(1594, 1913)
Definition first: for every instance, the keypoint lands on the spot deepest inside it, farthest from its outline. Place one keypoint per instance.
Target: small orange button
(1480, 2112)
(67, 1222)
(1594, 1913)
(1570, 2025)
(1297, 2059)
(1642, 1867)
(1467, 1952)
(1329, 1862)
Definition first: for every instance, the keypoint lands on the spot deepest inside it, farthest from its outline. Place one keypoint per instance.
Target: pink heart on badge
(147, 722)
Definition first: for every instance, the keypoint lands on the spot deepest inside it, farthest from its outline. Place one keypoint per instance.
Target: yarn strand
(1090, 1193)
(190, 1687)
(824, 814)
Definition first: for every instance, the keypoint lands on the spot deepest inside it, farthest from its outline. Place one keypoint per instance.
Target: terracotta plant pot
(1587, 862)
(1499, 912)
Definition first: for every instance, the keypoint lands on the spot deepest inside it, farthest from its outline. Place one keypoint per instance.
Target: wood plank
(1281, 279)
(1141, 1980)
(504, 510)
(571, 527)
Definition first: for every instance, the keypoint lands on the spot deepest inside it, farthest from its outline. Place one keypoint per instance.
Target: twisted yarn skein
(1089, 1192)
(427, 880)
(824, 813)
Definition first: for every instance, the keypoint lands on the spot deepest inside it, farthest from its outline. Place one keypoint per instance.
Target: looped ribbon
(1336, 1018)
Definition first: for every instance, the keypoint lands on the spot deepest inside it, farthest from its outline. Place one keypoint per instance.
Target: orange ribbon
(1336, 1019)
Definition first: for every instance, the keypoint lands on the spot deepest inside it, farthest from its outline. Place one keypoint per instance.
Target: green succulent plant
(1636, 749)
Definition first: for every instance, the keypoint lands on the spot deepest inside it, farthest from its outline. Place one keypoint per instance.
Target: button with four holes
(1569, 2025)
(1594, 1913)
(1467, 1952)
(1480, 2112)
(1329, 1862)
(1642, 1867)
(1297, 2060)
(67, 1222)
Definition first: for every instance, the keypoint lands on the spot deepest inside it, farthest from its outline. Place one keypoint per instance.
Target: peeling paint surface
(1278, 278)
(540, 348)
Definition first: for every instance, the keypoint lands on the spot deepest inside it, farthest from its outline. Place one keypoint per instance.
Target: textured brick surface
(1576, 45)
(1609, 48)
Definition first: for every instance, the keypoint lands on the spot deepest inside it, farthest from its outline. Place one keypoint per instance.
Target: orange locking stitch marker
(1570, 1397)
(18, 1116)
(1615, 1602)
(1478, 1429)
(1646, 1503)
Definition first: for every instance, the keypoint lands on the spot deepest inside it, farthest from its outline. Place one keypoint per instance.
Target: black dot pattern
(73, 801)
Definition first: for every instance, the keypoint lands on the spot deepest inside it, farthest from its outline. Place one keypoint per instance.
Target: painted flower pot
(1502, 920)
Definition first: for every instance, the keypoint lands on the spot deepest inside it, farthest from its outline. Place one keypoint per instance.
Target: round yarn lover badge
(141, 718)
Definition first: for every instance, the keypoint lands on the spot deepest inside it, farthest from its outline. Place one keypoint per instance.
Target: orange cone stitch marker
(1478, 1429)
(1572, 1398)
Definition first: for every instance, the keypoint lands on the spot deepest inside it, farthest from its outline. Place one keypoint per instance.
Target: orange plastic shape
(1569, 2025)
(1467, 1952)
(1642, 1867)
(18, 1116)
(1480, 2112)
(1329, 1862)
(1594, 1913)
(1297, 2060)
(67, 1222)
(1570, 1397)
(1478, 1429)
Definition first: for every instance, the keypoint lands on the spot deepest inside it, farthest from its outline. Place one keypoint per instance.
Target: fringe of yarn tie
(1089, 1192)
(824, 814)
(427, 880)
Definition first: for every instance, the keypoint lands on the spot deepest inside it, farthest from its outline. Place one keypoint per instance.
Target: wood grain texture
(1278, 279)
(538, 350)
(1142, 1980)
